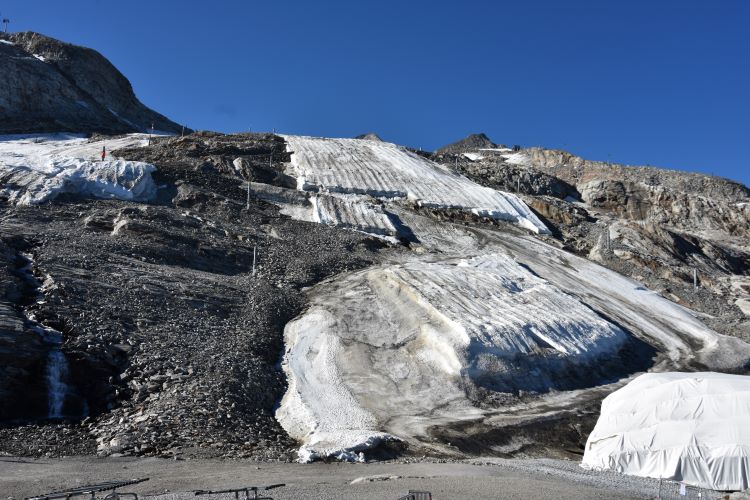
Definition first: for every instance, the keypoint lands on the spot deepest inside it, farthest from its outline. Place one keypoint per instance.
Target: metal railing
(92, 490)
(417, 495)
(246, 490)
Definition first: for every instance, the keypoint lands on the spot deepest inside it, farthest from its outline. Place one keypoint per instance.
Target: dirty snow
(396, 350)
(388, 172)
(387, 351)
(37, 168)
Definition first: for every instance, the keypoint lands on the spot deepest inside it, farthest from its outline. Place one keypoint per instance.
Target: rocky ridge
(52, 86)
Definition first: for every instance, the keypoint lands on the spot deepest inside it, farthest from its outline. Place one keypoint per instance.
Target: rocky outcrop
(23, 353)
(689, 201)
(472, 142)
(52, 86)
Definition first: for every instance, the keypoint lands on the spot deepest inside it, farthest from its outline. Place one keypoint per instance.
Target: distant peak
(370, 136)
(469, 143)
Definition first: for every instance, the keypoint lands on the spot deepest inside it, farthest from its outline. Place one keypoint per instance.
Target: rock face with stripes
(391, 173)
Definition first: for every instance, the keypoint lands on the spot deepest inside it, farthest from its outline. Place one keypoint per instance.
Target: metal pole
(254, 250)
(695, 279)
(270, 161)
(247, 205)
(659, 495)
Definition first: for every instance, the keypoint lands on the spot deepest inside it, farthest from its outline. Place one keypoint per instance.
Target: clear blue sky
(654, 82)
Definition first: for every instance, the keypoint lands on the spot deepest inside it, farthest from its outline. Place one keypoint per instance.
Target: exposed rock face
(22, 351)
(685, 200)
(52, 86)
(494, 172)
(467, 144)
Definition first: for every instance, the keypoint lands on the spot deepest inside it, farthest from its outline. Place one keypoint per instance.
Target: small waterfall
(57, 373)
(57, 364)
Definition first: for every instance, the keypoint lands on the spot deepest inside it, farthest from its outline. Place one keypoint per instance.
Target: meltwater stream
(56, 373)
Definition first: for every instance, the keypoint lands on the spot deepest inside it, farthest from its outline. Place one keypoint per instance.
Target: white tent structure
(691, 427)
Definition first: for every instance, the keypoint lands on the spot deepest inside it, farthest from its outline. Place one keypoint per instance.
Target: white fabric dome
(691, 427)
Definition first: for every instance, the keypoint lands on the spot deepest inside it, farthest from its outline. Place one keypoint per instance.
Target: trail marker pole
(270, 161)
(254, 251)
(659, 495)
(518, 185)
(247, 205)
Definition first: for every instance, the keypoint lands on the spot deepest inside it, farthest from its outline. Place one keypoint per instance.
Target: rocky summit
(53, 86)
(281, 297)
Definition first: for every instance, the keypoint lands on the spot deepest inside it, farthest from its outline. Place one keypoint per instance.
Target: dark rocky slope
(52, 86)
(170, 337)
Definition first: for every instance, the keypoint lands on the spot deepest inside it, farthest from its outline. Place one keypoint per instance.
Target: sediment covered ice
(384, 170)
(36, 169)
(388, 351)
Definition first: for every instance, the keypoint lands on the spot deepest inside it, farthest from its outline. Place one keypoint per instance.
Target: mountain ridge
(54, 86)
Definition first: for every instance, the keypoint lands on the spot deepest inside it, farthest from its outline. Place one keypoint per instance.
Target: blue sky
(661, 83)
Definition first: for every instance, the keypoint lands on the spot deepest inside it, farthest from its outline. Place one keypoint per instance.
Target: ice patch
(517, 159)
(473, 156)
(385, 351)
(36, 169)
(386, 171)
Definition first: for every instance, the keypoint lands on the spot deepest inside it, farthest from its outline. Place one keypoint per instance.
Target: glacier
(35, 169)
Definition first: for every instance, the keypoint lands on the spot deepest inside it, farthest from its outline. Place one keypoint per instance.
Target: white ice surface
(393, 347)
(516, 159)
(352, 212)
(37, 168)
(384, 170)
(397, 336)
(691, 427)
(473, 156)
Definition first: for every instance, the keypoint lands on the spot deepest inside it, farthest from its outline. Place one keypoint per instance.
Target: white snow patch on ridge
(391, 350)
(384, 170)
(37, 168)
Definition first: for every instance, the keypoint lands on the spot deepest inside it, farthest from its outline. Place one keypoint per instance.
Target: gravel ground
(173, 480)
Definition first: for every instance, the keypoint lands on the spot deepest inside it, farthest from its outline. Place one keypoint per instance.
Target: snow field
(401, 343)
(383, 170)
(36, 169)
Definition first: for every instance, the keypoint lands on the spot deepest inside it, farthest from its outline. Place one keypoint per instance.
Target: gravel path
(173, 480)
